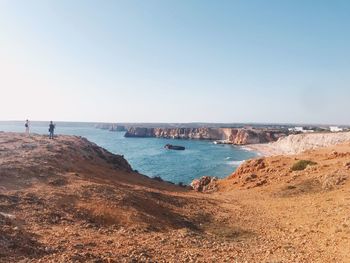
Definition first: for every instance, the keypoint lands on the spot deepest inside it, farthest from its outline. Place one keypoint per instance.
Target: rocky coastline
(237, 136)
(68, 200)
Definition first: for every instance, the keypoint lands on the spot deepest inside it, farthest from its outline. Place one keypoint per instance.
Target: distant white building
(335, 129)
(300, 129)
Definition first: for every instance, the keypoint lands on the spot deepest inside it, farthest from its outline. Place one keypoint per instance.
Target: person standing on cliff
(26, 125)
(51, 130)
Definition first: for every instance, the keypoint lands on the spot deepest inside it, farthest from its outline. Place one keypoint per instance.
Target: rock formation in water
(238, 136)
(120, 128)
(110, 127)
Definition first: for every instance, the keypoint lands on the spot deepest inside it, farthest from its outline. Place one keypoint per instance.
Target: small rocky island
(174, 147)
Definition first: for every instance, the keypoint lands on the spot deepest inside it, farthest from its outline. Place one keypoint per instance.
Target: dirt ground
(67, 200)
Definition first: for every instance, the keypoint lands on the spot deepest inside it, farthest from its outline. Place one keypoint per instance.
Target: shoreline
(93, 198)
(174, 173)
(263, 149)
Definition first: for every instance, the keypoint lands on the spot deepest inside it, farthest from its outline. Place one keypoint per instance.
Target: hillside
(68, 200)
(298, 143)
(304, 200)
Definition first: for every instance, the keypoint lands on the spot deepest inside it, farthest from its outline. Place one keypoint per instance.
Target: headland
(68, 200)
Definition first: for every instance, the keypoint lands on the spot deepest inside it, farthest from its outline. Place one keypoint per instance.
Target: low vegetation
(301, 165)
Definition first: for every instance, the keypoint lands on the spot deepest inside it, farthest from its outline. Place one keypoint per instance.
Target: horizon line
(192, 122)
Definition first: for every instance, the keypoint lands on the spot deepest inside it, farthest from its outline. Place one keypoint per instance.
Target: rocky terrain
(298, 143)
(301, 203)
(238, 136)
(67, 200)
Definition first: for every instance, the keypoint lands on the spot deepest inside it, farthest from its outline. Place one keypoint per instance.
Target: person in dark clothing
(51, 130)
(26, 125)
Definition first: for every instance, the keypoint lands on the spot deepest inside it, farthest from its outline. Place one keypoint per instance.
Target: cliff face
(38, 155)
(244, 136)
(236, 136)
(191, 133)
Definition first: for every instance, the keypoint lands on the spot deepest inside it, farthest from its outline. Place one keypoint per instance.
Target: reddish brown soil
(67, 200)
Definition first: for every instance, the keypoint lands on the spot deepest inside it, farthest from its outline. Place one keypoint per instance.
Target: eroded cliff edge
(298, 143)
(68, 200)
(238, 136)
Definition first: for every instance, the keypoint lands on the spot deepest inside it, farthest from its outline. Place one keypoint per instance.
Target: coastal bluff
(69, 200)
(237, 136)
(298, 143)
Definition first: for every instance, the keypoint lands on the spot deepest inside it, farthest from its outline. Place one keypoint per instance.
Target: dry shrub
(301, 165)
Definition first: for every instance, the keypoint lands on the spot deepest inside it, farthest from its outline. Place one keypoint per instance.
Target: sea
(148, 155)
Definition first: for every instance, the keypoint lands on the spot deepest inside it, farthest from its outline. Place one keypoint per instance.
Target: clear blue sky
(175, 60)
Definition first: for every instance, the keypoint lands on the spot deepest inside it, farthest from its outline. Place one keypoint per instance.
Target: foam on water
(236, 163)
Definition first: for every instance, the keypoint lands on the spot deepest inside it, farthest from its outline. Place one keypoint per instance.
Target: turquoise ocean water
(148, 156)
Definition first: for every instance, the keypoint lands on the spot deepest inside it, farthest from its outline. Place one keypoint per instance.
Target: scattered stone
(205, 184)
(8, 216)
(58, 182)
(251, 177)
(79, 246)
(331, 181)
(261, 182)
